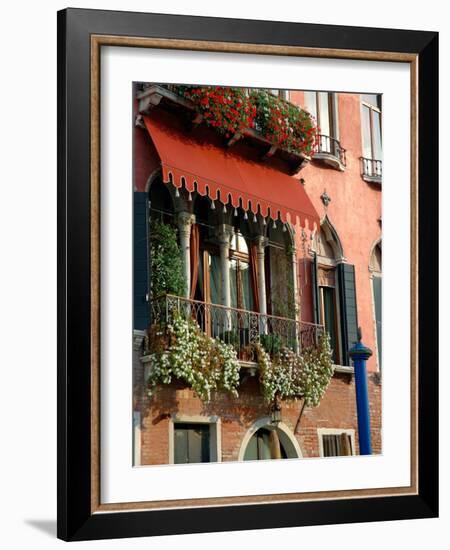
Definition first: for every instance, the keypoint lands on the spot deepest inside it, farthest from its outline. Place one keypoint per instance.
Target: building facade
(276, 246)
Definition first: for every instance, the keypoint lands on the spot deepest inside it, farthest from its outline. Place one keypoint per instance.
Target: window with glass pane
(329, 317)
(376, 135)
(192, 443)
(337, 444)
(311, 103)
(282, 301)
(372, 99)
(240, 276)
(371, 128)
(319, 105)
(215, 282)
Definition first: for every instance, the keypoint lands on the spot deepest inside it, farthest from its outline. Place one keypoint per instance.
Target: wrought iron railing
(330, 146)
(371, 168)
(238, 327)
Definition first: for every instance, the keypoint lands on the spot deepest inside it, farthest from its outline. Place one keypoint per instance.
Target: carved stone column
(185, 221)
(295, 283)
(261, 243)
(224, 233)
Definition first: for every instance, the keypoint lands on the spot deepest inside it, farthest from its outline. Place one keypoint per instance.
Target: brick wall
(337, 410)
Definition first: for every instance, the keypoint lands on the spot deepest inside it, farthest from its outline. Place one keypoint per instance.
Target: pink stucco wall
(354, 210)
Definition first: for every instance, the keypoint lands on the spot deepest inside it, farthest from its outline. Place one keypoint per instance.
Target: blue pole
(359, 354)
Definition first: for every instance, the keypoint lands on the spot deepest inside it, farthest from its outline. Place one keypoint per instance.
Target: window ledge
(342, 369)
(330, 160)
(371, 179)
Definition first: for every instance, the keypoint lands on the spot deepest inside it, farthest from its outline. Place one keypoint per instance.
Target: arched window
(329, 253)
(375, 268)
(210, 278)
(161, 204)
(279, 273)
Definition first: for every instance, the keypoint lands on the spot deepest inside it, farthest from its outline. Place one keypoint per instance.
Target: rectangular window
(311, 103)
(215, 279)
(371, 127)
(372, 99)
(338, 444)
(282, 94)
(320, 106)
(240, 285)
(329, 318)
(367, 139)
(376, 135)
(323, 99)
(281, 283)
(192, 443)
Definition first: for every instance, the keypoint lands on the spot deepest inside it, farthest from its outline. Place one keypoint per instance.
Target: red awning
(198, 163)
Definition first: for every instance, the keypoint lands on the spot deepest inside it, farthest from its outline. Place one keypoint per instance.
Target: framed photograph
(247, 274)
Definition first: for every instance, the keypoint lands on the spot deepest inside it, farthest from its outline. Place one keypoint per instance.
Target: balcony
(240, 328)
(167, 96)
(371, 170)
(330, 151)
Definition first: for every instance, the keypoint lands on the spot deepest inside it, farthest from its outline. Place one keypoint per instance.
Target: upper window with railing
(323, 107)
(371, 160)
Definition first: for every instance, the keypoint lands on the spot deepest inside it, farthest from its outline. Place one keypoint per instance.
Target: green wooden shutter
(349, 312)
(315, 289)
(377, 282)
(140, 261)
(181, 454)
(192, 443)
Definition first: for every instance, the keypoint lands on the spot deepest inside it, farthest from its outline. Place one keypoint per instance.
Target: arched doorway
(256, 444)
(260, 446)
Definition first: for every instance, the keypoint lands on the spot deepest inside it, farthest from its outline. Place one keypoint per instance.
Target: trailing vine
(293, 376)
(183, 351)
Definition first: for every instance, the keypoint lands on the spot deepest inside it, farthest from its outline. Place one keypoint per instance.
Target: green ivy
(165, 260)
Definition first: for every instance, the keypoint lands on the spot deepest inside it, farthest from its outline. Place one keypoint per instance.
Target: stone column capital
(224, 233)
(185, 220)
(261, 242)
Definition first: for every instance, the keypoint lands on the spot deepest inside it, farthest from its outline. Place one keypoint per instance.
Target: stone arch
(331, 242)
(164, 193)
(375, 257)
(287, 438)
(286, 238)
